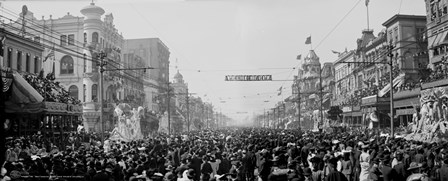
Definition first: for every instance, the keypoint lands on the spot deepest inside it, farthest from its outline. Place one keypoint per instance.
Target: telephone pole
(101, 64)
(188, 111)
(168, 97)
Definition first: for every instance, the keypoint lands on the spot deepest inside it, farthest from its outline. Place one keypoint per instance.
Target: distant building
(155, 54)
(309, 84)
(345, 86)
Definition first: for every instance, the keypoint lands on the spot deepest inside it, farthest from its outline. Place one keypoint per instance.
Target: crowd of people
(237, 154)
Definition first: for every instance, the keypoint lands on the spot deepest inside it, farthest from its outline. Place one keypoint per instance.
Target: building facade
(155, 54)
(309, 83)
(73, 46)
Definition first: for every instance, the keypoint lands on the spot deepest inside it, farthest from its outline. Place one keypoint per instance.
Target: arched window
(67, 65)
(94, 93)
(95, 37)
(73, 90)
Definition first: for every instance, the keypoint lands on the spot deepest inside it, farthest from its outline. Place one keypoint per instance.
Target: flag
(335, 52)
(308, 40)
(280, 91)
(367, 2)
(49, 55)
(299, 57)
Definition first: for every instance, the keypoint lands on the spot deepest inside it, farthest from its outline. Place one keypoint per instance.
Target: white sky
(225, 37)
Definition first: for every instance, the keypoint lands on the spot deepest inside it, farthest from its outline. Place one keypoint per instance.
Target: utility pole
(391, 82)
(298, 102)
(321, 100)
(101, 64)
(168, 97)
(264, 118)
(188, 111)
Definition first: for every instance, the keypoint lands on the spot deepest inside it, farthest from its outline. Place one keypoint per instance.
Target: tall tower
(92, 32)
(311, 68)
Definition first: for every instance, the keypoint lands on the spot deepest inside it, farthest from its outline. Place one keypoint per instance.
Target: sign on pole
(248, 78)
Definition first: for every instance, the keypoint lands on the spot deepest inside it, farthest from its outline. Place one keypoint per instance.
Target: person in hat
(400, 166)
(307, 173)
(389, 174)
(375, 173)
(414, 168)
(334, 174)
(346, 165)
(443, 171)
(364, 162)
(265, 166)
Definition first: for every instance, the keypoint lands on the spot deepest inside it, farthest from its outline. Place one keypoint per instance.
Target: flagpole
(367, 6)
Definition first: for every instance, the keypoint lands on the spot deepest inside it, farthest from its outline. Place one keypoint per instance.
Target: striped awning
(396, 82)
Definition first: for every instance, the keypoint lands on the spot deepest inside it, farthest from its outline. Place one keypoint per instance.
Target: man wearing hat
(389, 174)
(443, 171)
(400, 166)
(334, 174)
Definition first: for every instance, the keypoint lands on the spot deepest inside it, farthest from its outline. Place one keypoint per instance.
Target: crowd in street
(232, 154)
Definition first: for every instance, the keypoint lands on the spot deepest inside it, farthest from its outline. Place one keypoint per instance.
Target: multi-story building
(345, 87)
(34, 103)
(180, 89)
(73, 45)
(309, 79)
(406, 33)
(156, 54)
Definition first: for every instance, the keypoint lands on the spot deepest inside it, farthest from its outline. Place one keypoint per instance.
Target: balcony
(437, 78)
(407, 91)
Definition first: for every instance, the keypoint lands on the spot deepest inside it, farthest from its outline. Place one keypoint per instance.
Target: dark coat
(401, 171)
(389, 174)
(335, 176)
(100, 176)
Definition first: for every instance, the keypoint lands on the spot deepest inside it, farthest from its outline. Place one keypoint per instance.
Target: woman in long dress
(364, 161)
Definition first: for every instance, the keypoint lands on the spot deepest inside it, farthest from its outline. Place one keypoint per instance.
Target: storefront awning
(24, 98)
(432, 42)
(396, 82)
(440, 38)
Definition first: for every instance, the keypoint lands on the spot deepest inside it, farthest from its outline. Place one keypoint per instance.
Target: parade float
(430, 123)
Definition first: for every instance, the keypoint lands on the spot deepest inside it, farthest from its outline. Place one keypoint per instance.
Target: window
(84, 93)
(95, 37)
(94, 93)
(85, 37)
(67, 65)
(63, 40)
(19, 60)
(73, 90)
(37, 39)
(71, 39)
(85, 62)
(9, 58)
(36, 64)
(27, 63)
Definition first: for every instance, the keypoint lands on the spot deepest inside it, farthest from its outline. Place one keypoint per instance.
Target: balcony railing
(438, 77)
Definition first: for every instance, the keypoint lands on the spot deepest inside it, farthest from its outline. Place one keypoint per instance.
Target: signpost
(248, 78)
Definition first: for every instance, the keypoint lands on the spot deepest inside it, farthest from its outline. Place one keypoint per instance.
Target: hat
(414, 165)
(190, 173)
(276, 159)
(364, 146)
(169, 167)
(307, 171)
